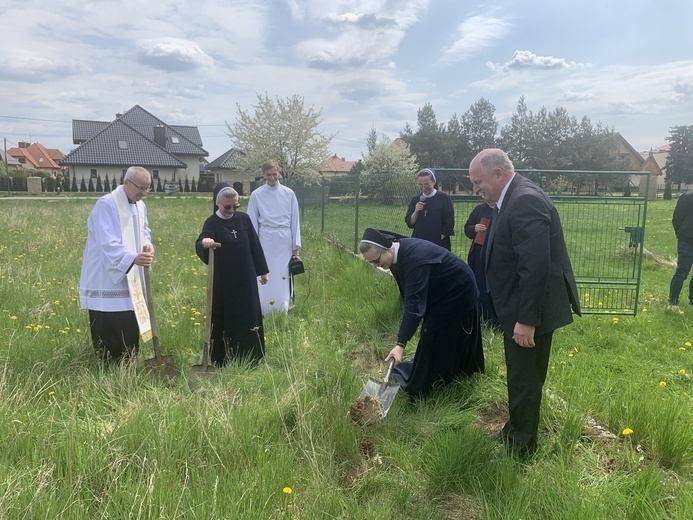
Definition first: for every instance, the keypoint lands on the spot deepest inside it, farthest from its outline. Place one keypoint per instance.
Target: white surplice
(103, 284)
(274, 213)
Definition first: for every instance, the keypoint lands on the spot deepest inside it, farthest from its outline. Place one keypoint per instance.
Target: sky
(364, 64)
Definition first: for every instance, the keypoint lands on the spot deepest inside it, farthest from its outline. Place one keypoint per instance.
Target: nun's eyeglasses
(232, 206)
(377, 260)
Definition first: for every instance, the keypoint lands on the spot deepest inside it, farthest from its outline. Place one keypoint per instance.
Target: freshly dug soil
(366, 410)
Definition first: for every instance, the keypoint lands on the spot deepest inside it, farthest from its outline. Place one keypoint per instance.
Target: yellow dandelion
(78, 330)
(13, 317)
(662, 383)
(571, 354)
(627, 431)
(197, 324)
(173, 325)
(682, 372)
(288, 490)
(687, 343)
(683, 349)
(615, 319)
(51, 393)
(644, 309)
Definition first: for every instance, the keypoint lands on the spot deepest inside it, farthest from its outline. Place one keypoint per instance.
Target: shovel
(159, 366)
(375, 399)
(207, 370)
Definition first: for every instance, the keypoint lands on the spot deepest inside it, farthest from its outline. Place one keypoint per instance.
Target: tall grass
(82, 440)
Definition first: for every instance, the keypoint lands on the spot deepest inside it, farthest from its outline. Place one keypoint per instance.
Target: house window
(22, 160)
(123, 145)
(94, 173)
(155, 174)
(175, 140)
(40, 159)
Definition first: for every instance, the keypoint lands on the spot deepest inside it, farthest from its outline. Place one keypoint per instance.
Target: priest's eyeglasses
(143, 190)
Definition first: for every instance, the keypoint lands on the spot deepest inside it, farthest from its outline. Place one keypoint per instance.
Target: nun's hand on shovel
(395, 353)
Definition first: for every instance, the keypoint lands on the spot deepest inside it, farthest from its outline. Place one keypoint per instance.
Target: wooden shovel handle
(210, 292)
(150, 308)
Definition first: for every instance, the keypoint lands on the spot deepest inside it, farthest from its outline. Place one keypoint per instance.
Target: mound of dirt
(366, 410)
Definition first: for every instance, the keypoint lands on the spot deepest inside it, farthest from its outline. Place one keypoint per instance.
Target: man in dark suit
(530, 283)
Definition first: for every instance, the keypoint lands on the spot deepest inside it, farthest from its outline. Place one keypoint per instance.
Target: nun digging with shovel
(438, 288)
(237, 332)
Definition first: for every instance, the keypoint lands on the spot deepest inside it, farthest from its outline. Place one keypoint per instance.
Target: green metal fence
(603, 219)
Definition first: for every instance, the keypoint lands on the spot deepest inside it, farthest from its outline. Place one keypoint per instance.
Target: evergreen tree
(480, 125)
(83, 186)
(679, 165)
(180, 186)
(114, 185)
(187, 186)
(99, 186)
(74, 188)
(192, 187)
(159, 187)
(91, 185)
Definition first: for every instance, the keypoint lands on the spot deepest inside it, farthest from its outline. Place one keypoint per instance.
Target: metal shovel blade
(206, 370)
(382, 390)
(161, 367)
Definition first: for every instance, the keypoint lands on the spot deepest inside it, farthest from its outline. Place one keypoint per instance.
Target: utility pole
(7, 173)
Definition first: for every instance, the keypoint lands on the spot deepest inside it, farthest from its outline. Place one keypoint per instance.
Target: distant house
(171, 153)
(11, 161)
(337, 166)
(659, 156)
(626, 151)
(224, 169)
(35, 156)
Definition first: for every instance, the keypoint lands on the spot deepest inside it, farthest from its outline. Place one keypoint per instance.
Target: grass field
(82, 440)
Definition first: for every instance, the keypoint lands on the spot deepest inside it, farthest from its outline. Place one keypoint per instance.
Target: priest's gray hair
(226, 193)
(133, 171)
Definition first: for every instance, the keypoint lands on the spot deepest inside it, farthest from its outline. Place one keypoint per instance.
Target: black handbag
(296, 266)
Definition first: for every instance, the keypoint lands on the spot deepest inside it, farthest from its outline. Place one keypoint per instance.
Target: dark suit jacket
(528, 268)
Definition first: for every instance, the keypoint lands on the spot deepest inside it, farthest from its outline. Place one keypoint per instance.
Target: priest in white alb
(273, 210)
(118, 248)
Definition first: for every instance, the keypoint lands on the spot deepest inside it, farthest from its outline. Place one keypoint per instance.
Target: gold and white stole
(134, 276)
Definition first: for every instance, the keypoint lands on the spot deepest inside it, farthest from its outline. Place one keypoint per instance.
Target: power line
(36, 119)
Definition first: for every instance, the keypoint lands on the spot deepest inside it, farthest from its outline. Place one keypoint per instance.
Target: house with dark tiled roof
(11, 161)
(171, 153)
(35, 156)
(225, 169)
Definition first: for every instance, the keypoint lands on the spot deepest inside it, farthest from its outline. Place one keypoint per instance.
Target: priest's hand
(264, 279)
(144, 259)
(295, 253)
(207, 242)
(395, 353)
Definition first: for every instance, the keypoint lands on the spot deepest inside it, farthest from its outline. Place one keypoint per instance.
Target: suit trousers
(526, 373)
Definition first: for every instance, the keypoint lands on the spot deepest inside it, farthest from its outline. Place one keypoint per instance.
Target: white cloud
(529, 60)
(174, 55)
(476, 34)
(578, 96)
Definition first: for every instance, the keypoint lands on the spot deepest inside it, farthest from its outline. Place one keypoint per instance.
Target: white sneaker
(675, 309)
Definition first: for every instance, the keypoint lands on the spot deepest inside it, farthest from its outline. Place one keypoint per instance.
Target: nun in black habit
(438, 288)
(237, 331)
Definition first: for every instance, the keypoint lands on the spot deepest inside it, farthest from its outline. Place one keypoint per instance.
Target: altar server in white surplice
(273, 209)
(111, 285)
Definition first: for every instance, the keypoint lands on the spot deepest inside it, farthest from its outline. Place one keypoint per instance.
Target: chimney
(160, 136)
(23, 144)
